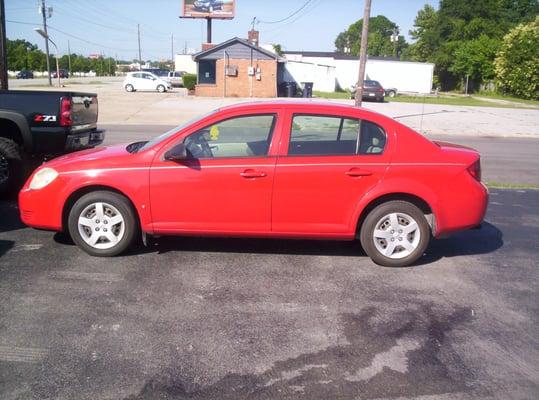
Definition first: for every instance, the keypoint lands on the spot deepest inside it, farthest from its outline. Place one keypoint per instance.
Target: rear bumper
(84, 140)
(465, 210)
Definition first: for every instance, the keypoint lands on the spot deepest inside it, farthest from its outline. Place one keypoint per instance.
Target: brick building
(236, 68)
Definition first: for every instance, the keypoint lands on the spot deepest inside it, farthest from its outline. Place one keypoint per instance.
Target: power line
(117, 29)
(23, 23)
(290, 16)
(307, 12)
(89, 42)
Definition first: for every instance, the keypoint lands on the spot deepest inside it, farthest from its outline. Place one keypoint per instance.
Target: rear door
(326, 164)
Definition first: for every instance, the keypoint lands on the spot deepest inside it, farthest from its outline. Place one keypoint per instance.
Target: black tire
(403, 209)
(11, 167)
(129, 88)
(391, 93)
(161, 89)
(117, 201)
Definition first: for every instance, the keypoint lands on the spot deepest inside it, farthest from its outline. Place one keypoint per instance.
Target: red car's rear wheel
(395, 234)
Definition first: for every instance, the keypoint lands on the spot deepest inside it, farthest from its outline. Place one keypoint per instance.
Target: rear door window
(329, 135)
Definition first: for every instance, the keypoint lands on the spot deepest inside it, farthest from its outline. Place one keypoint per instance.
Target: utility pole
(44, 14)
(363, 53)
(3, 54)
(69, 57)
(208, 30)
(139, 53)
(172, 49)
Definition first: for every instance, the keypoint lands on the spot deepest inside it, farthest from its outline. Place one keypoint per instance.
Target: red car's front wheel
(102, 223)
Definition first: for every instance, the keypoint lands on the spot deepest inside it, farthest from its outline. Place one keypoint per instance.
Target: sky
(110, 26)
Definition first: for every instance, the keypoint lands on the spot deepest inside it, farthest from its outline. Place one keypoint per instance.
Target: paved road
(505, 160)
(260, 319)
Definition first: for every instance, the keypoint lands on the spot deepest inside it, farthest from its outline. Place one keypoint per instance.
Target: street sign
(216, 9)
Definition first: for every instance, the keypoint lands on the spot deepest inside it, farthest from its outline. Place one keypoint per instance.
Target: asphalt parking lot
(233, 318)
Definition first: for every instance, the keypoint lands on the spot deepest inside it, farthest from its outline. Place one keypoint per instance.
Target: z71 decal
(44, 118)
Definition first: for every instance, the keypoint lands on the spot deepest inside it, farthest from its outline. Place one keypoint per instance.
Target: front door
(225, 184)
(331, 163)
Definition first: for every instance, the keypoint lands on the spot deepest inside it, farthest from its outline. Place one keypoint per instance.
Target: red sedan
(272, 169)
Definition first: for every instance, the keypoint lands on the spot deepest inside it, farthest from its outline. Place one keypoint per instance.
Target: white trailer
(405, 76)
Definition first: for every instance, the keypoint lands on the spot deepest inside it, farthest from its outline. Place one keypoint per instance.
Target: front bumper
(84, 140)
(43, 208)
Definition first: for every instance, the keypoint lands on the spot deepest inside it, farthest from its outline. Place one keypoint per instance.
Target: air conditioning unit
(231, 70)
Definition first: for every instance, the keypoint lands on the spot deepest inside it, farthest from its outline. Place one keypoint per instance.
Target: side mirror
(177, 153)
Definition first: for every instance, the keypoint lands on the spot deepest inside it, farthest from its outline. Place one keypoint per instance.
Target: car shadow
(9, 215)
(473, 242)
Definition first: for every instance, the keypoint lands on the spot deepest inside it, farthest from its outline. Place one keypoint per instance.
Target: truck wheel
(391, 93)
(161, 88)
(129, 88)
(102, 223)
(10, 165)
(395, 234)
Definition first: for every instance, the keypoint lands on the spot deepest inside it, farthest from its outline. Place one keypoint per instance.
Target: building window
(206, 71)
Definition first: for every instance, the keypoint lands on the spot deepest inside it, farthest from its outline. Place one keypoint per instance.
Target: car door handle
(358, 172)
(251, 173)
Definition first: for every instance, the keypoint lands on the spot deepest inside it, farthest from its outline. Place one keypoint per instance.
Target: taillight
(65, 112)
(381, 90)
(475, 170)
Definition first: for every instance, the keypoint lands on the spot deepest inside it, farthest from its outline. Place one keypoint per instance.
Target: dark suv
(63, 74)
(371, 90)
(24, 74)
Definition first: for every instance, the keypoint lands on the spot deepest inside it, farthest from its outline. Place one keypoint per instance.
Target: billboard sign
(219, 9)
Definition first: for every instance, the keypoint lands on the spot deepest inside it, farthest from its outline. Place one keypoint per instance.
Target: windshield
(173, 131)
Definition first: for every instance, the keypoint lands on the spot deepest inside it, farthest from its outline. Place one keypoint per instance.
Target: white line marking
(26, 247)
(22, 354)
(86, 276)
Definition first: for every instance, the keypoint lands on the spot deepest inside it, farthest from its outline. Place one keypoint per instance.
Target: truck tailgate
(84, 111)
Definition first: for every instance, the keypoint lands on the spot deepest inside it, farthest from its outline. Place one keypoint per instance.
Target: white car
(175, 78)
(145, 81)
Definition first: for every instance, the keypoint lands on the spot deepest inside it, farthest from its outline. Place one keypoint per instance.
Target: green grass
(501, 185)
(331, 95)
(449, 100)
(499, 96)
(454, 101)
(442, 99)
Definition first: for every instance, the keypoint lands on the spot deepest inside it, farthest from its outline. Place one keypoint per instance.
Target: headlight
(42, 178)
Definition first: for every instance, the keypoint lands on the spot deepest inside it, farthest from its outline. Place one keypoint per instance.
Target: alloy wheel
(396, 235)
(101, 225)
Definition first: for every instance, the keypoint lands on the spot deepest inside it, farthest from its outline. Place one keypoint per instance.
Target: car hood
(95, 158)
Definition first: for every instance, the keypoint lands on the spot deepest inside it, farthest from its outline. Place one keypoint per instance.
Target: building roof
(336, 56)
(231, 42)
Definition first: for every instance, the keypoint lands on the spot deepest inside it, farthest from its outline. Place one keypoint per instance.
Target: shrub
(517, 63)
(189, 81)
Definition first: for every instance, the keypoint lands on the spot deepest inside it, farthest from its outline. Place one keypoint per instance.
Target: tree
(380, 31)
(278, 49)
(448, 37)
(475, 58)
(517, 63)
(425, 35)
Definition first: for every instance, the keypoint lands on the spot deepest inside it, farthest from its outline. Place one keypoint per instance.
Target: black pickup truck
(35, 125)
